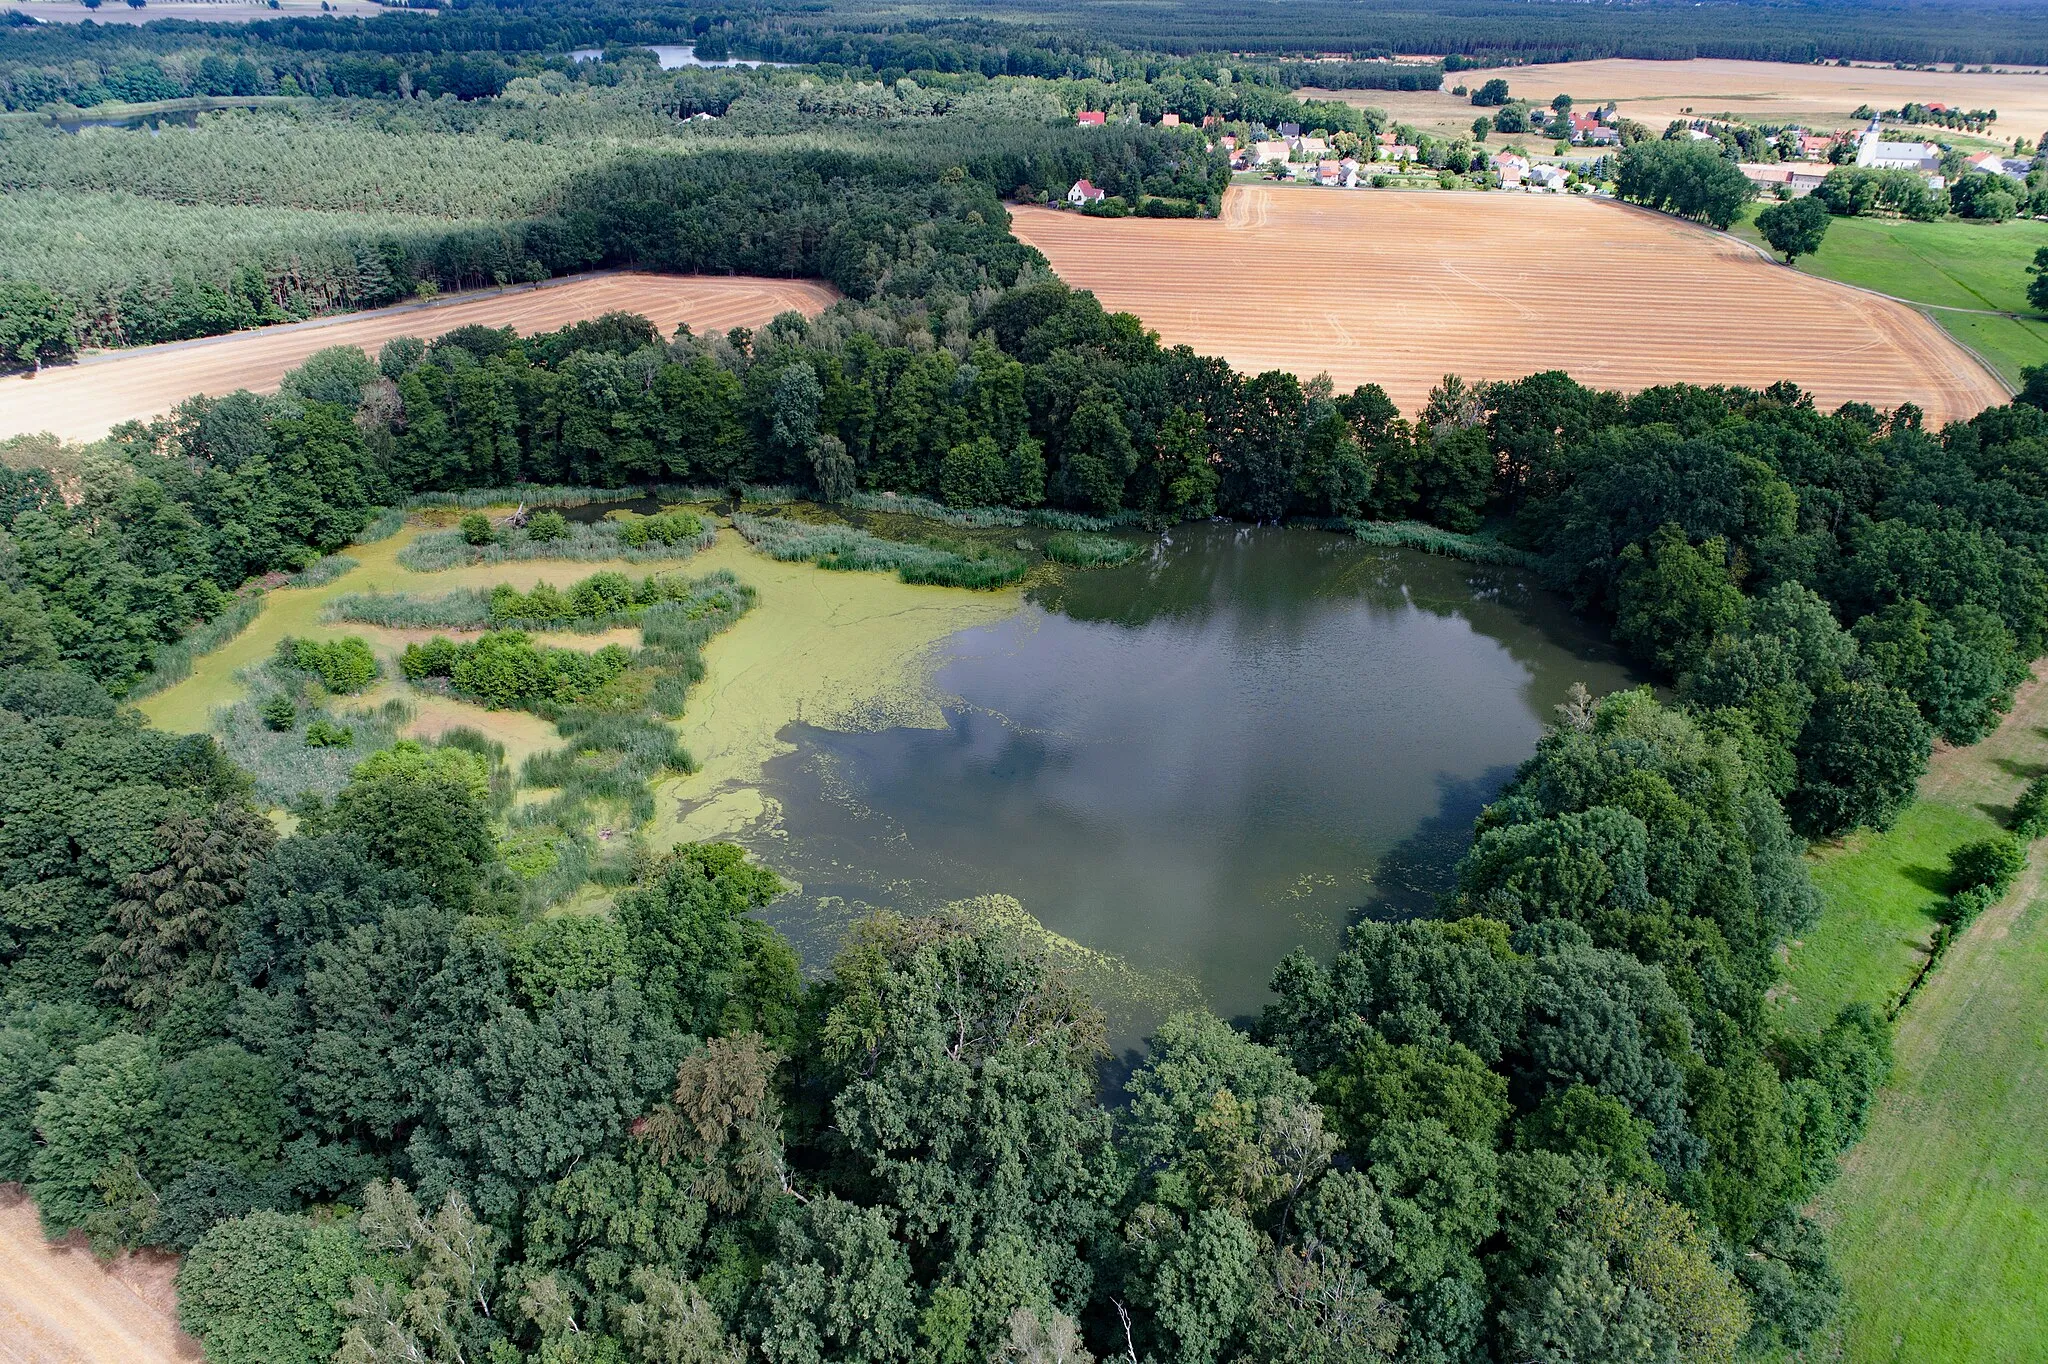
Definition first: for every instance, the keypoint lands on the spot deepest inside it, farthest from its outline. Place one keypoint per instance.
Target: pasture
(1939, 1221)
(1402, 289)
(83, 401)
(1654, 93)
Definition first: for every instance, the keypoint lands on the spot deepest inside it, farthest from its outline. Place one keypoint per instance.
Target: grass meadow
(1948, 264)
(1939, 1222)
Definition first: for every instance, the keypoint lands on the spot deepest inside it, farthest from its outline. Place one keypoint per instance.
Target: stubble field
(1402, 289)
(84, 401)
(1654, 93)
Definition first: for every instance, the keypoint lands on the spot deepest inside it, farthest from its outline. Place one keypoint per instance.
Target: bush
(670, 528)
(505, 669)
(280, 713)
(1990, 863)
(324, 733)
(545, 527)
(2030, 812)
(477, 530)
(344, 666)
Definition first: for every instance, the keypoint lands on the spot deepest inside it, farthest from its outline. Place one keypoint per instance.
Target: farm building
(1085, 193)
(1801, 177)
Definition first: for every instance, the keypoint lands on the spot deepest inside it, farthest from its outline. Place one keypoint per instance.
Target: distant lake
(672, 58)
(1192, 764)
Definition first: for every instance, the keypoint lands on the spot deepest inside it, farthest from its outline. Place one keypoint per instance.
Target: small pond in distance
(1192, 764)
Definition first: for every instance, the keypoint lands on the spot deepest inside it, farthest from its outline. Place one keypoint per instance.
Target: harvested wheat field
(1400, 289)
(1654, 93)
(86, 400)
(59, 1305)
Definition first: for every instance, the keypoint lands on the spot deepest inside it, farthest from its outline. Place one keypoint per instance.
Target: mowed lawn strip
(1939, 1222)
(1881, 890)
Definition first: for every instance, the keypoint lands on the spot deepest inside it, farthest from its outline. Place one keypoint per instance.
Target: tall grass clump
(1091, 551)
(618, 744)
(304, 747)
(1478, 549)
(985, 518)
(466, 608)
(442, 549)
(172, 663)
(386, 523)
(321, 571)
(843, 548)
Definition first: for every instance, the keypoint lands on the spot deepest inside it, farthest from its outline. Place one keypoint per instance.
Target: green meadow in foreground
(1939, 1221)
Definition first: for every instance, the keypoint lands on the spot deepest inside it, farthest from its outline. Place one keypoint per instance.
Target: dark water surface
(1196, 762)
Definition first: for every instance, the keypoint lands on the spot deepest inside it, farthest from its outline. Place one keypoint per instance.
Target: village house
(1800, 177)
(1510, 168)
(1327, 172)
(1084, 193)
(1347, 172)
(1815, 146)
(1169, 120)
(1264, 152)
(1091, 118)
(1998, 163)
(1311, 148)
(1550, 179)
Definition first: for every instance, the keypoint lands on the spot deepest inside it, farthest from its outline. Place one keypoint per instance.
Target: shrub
(280, 713)
(546, 527)
(324, 733)
(1991, 863)
(344, 666)
(2030, 812)
(477, 530)
(504, 669)
(669, 528)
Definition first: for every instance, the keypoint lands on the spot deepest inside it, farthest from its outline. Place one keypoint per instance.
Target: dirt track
(86, 400)
(1400, 289)
(59, 1305)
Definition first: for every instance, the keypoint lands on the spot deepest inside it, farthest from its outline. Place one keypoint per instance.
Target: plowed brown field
(1400, 289)
(86, 400)
(59, 1305)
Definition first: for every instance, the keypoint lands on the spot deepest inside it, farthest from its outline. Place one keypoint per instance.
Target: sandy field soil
(59, 1305)
(84, 401)
(1400, 289)
(1654, 93)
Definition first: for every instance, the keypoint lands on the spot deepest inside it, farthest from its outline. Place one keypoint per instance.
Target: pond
(1184, 768)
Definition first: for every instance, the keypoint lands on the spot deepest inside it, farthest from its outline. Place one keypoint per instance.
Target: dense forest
(390, 1107)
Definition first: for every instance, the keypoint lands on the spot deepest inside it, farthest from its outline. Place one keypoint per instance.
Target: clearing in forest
(84, 401)
(1653, 93)
(1400, 289)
